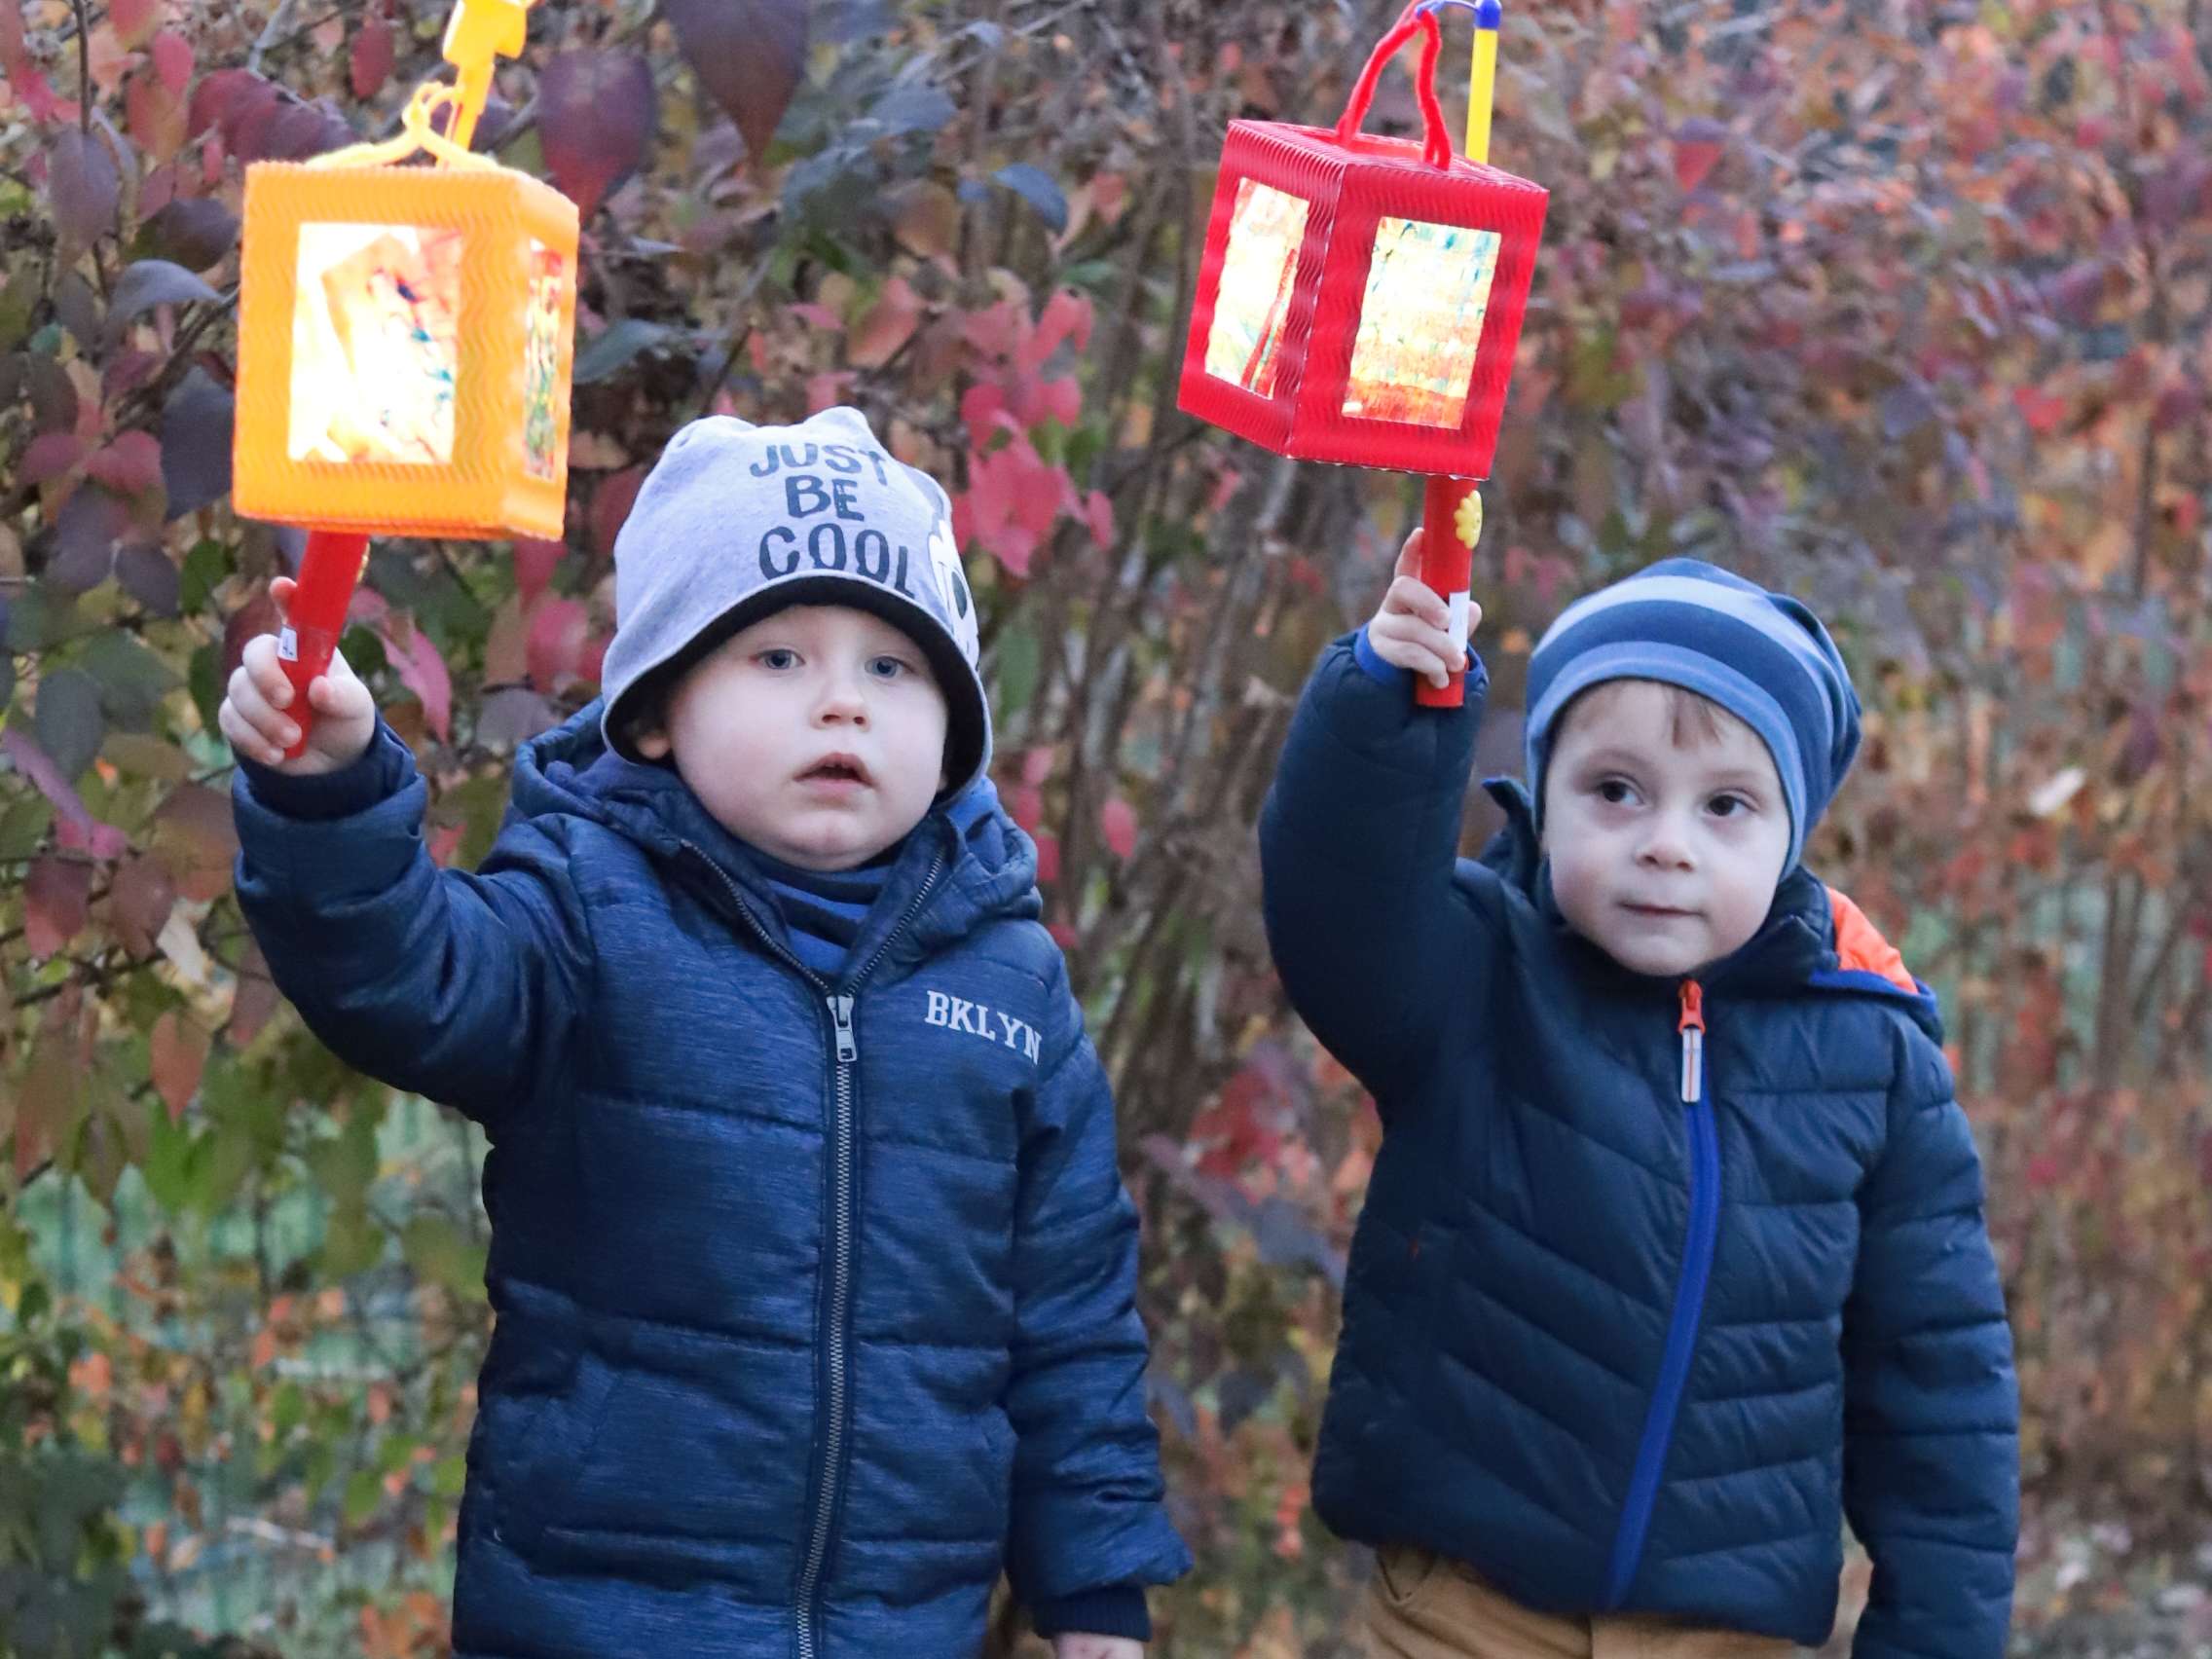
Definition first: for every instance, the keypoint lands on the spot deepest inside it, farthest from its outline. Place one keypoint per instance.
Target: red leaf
(828, 389)
(980, 406)
(255, 617)
(534, 561)
(173, 60)
(815, 314)
(133, 20)
(255, 999)
(370, 64)
(1118, 822)
(1047, 858)
(132, 464)
(1025, 805)
(50, 455)
(153, 113)
(610, 505)
(748, 54)
(1068, 313)
(1693, 160)
(179, 1053)
(559, 630)
(596, 116)
(887, 327)
(76, 829)
(1098, 515)
(2042, 410)
(422, 670)
(57, 895)
(1037, 764)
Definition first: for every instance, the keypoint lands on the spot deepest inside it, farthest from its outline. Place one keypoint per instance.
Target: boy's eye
(1727, 805)
(1614, 791)
(777, 658)
(886, 667)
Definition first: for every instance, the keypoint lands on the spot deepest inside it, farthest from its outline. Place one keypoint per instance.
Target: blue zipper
(845, 1053)
(1689, 1302)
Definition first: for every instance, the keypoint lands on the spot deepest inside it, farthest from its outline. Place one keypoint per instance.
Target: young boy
(1673, 1252)
(813, 1268)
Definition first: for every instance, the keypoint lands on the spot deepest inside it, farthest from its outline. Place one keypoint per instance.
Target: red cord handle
(1436, 137)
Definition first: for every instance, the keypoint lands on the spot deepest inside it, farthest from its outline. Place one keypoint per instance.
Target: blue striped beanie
(1760, 655)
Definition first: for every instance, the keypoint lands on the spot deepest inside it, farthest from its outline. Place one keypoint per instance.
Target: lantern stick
(1483, 87)
(329, 570)
(1452, 518)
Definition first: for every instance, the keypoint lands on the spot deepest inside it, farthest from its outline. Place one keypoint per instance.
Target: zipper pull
(841, 1016)
(1692, 1028)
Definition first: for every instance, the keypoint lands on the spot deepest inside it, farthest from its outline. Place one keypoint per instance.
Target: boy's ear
(652, 744)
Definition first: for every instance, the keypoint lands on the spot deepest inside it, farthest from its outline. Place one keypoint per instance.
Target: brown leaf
(140, 902)
(596, 117)
(255, 999)
(179, 1055)
(925, 218)
(370, 65)
(196, 838)
(749, 55)
(81, 180)
(57, 896)
(610, 505)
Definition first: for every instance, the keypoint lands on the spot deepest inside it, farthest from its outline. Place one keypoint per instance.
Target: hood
(1814, 938)
(987, 863)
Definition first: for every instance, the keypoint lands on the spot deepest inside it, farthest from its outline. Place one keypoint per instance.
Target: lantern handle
(477, 35)
(1436, 138)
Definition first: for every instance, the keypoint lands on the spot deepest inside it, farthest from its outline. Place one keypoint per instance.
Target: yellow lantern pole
(1483, 87)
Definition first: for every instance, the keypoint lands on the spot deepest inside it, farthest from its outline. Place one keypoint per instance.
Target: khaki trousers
(1421, 1606)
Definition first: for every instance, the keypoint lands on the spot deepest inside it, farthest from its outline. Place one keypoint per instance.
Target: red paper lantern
(1361, 297)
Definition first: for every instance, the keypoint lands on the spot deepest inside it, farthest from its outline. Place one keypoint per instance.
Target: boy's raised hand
(253, 714)
(1073, 1645)
(1412, 629)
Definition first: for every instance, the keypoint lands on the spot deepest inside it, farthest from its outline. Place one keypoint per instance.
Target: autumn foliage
(1905, 305)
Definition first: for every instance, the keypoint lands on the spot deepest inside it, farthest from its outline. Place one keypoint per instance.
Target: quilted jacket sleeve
(1932, 1474)
(460, 987)
(1089, 1509)
(1358, 843)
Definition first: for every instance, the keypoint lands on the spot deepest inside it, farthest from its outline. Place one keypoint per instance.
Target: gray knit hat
(737, 521)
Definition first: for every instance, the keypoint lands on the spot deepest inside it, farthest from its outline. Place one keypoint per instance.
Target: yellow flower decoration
(1469, 521)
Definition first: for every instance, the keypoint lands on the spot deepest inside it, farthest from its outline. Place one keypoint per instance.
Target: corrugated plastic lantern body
(405, 340)
(1361, 298)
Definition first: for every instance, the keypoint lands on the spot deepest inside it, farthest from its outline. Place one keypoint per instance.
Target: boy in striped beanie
(1672, 1256)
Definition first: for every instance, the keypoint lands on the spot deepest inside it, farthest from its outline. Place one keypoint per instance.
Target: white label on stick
(1459, 622)
(288, 644)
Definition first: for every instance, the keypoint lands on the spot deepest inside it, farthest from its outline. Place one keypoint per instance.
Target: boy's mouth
(836, 769)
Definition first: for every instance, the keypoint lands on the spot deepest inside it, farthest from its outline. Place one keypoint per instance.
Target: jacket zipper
(1689, 1299)
(844, 1056)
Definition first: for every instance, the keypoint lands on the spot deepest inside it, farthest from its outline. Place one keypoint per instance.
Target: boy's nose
(843, 701)
(1666, 847)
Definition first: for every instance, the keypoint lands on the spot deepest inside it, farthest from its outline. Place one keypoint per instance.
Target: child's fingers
(1410, 596)
(1409, 556)
(1425, 652)
(280, 593)
(266, 669)
(251, 726)
(340, 694)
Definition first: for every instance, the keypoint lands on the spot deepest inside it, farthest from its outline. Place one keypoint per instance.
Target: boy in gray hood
(813, 1268)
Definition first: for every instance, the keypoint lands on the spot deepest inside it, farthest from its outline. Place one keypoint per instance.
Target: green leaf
(352, 1243)
(69, 724)
(23, 823)
(363, 1492)
(622, 340)
(439, 1252)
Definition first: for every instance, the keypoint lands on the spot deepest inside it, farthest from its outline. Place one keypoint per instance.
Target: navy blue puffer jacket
(814, 1300)
(1627, 1328)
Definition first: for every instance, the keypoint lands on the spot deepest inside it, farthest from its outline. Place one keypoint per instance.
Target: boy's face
(1666, 826)
(816, 735)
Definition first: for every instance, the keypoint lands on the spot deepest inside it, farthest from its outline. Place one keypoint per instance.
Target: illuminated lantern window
(405, 340)
(1360, 298)
(406, 336)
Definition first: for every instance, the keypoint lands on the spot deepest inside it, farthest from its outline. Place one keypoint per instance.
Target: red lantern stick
(329, 572)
